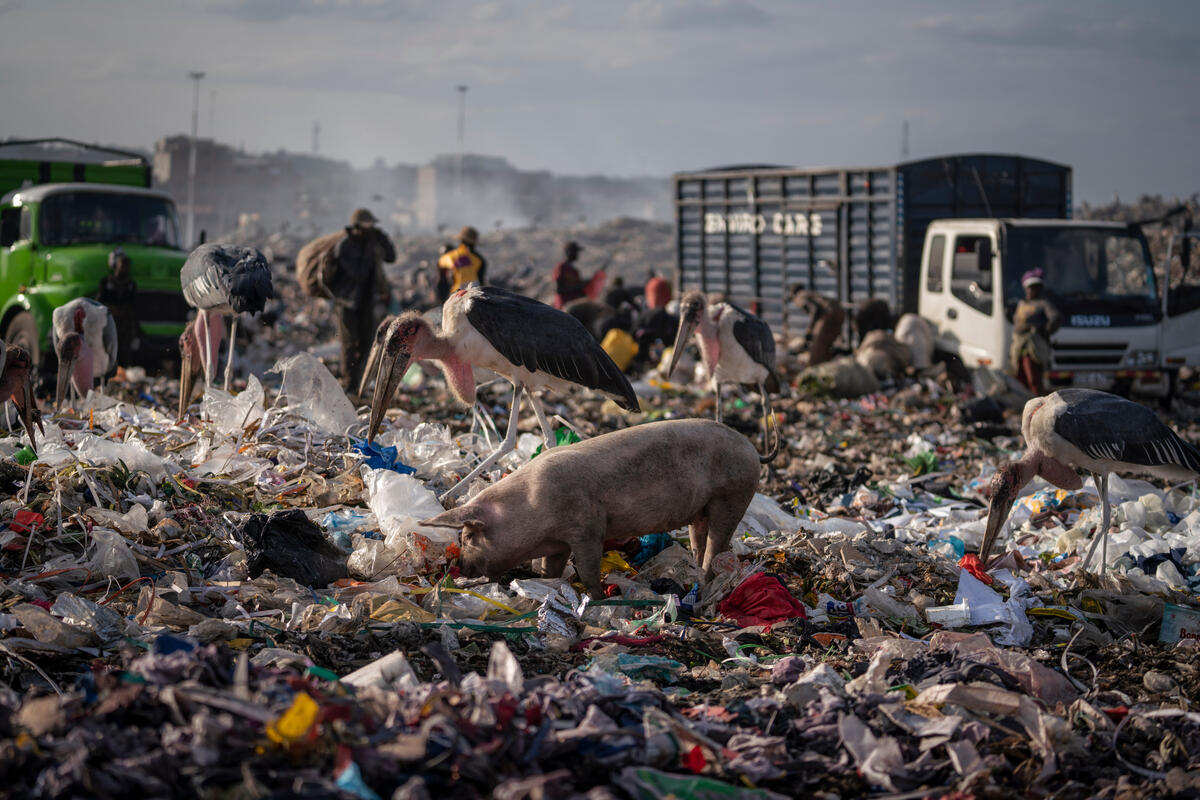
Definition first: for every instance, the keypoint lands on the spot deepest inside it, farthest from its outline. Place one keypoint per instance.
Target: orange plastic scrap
(295, 723)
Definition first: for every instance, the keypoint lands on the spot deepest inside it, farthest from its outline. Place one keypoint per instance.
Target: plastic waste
(761, 599)
(289, 544)
(387, 672)
(314, 394)
(231, 414)
(1179, 623)
(112, 556)
(646, 783)
(952, 616)
(377, 456)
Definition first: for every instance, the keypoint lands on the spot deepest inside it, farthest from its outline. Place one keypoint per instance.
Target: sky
(627, 87)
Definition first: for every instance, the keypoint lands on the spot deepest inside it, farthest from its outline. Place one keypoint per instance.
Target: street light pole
(462, 126)
(190, 236)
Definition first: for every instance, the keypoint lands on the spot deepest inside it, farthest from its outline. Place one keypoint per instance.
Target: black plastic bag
(288, 544)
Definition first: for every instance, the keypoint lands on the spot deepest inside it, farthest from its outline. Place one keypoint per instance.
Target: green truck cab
(60, 220)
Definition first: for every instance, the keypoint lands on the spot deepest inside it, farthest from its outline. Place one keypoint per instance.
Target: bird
(224, 278)
(84, 335)
(526, 341)
(372, 365)
(193, 357)
(16, 384)
(1098, 433)
(736, 347)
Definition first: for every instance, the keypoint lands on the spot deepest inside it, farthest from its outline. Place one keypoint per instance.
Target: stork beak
(687, 326)
(186, 380)
(998, 512)
(372, 361)
(393, 363)
(65, 367)
(29, 414)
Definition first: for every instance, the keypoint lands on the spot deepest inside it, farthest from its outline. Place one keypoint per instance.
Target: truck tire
(22, 331)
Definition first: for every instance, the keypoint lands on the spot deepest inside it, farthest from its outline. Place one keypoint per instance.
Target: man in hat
(1034, 320)
(118, 291)
(464, 263)
(357, 282)
(568, 283)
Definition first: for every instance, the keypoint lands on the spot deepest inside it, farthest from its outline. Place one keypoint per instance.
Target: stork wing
(535, 336)
(1109, 427)
(219, 274)
(755, 337)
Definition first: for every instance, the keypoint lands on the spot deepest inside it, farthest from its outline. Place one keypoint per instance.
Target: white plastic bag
(314, 394)
(399, 502)
(231, 414)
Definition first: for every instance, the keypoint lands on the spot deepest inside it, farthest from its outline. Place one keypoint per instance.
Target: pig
(584, 498)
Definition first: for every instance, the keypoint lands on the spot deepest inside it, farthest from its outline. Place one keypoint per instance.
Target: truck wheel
(22, 331)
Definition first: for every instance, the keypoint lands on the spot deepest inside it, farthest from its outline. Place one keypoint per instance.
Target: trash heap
(245, 604)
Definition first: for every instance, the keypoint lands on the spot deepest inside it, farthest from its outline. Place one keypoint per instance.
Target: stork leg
(229, 357)
(547, 429)
(510, 442)
(206, 356)
(717, 394)
(769, 426)
(1101, 482)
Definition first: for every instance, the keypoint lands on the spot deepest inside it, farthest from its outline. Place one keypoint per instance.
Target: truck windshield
(108, 218)
(1086, 270)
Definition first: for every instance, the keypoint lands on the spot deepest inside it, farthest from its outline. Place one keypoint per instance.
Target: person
(825, 320)
(118, 291)
(656, 326)
(444, 275)
(463, 264)
(568, 283)
(1034, 320)
(357, 281)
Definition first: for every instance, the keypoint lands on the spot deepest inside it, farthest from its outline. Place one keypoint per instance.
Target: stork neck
(1035, 462)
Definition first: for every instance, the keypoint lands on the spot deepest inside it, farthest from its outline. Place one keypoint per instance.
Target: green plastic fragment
(561, 436)
(322, 673)
(25, 456)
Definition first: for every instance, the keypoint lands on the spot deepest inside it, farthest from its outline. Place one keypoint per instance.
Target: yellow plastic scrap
(613, 561)
(295, 723)
(620, 347)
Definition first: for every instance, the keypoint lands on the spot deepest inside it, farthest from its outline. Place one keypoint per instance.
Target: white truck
(1120, 332)
(948, 238)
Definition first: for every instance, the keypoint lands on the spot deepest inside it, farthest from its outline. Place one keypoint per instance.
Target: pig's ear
(453, 518)
(473, 529)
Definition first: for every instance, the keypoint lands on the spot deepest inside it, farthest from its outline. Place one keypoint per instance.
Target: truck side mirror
(983, 256)
(10, 226)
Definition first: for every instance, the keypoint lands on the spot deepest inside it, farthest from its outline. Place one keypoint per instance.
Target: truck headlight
(1141, 358)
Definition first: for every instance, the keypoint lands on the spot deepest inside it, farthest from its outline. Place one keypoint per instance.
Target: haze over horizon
(628, 87)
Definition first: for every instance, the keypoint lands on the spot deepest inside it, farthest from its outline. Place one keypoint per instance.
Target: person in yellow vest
(464, 263)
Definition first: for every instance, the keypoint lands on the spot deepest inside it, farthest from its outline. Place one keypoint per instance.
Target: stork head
(693, 314)
(405, 341)
(190, 363)
(70, 348)
(1006, 485)
(16, 375)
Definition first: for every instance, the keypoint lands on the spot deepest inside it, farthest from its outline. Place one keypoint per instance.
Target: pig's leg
(723, 518)
(588, 548)
(510, 441)
(547, 430)
(553, 566)
(698, 533)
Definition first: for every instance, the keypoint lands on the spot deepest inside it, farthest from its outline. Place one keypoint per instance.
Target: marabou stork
(737, 347)
(224, 278)
(1093, 431)
(16, 384)
(372, 365)
(528, 342)
(84, 335)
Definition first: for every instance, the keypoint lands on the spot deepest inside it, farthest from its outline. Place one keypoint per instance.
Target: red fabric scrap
(761, 599)
(26, 521)
(694, 760)
(971, 563)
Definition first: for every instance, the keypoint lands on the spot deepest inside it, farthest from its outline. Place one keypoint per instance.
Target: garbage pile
(245, 603)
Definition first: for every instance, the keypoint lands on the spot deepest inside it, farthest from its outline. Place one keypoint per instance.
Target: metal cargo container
(756, 233)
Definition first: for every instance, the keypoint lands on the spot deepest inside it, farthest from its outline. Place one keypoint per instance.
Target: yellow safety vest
(465, 265)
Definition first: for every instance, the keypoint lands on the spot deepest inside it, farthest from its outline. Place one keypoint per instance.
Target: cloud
(9, 5)
(365, 10)
(677, 15)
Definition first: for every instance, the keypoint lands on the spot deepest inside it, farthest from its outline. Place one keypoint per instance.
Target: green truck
(64, 207)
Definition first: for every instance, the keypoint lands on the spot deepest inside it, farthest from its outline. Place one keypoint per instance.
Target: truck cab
(1098, 274)
(55, 240)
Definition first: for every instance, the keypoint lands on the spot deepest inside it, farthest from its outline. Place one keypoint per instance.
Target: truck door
(968, 316)
(1181, 303)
